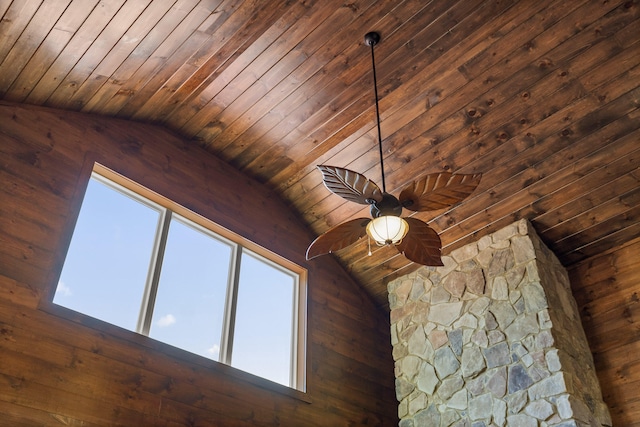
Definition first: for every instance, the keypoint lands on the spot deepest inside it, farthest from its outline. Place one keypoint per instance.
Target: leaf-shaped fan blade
(350, 185)
(438, 190)
(421, 244)
(338, 237)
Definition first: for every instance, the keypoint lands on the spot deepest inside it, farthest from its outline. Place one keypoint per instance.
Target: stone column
(493, 338)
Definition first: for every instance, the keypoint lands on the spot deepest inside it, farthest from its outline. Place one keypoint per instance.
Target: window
(147, 265)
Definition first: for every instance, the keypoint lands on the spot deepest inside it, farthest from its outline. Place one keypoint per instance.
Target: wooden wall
(58, 368)
(607, 290)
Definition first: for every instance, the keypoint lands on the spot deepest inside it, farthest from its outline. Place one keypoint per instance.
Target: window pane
(263, 337)
(106, 267)
(192, 290)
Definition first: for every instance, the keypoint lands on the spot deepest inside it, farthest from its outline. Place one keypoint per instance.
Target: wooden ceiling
(541, 97)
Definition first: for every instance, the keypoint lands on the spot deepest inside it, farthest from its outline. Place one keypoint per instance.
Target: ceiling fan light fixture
(420, 244)
(387, 230)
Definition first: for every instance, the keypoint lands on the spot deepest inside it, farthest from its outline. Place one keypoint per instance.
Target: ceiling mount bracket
(371, 39)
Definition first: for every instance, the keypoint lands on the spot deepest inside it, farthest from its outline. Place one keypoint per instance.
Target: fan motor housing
(389, 205)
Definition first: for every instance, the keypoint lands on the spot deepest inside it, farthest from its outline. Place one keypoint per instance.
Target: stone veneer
(493, 338)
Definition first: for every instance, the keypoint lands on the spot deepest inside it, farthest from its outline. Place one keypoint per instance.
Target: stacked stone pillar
(493, 338)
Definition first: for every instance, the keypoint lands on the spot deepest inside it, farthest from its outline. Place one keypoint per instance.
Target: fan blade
(422, 244)
(338, 237)
(350, 185)
(438, 190)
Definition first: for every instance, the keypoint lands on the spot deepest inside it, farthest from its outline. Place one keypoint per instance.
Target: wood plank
(607, 288)
(15, 19)
(540, 183)
(18, 293)
(325, 303)
(619, 207)
(220, 73)
(21, 52)
(100, 46)
(618, 341)
(622, 373)
(372, 158)
(607, 267)
(628, 413)
(24, 169)
(25, 228)
(495, 99)
(73, 51)
(515, 114)
(434, 51)
(550, 221)
(554, 174)
(26, 187)
(612, 289)
(613, 328)
(505, 222)
(328, 22)
(20, 416)
(492, 133)
(177, 47)
(143, 51)
(195, 48)
(276, 80)
(279, 81)
(139, 378)
(217, 56)
(611, 239)
(4, 6)
(32, 395)
(337, 328)
(330, 366)
(47, 52)
(23, 260)
(123, 48)
(343, 116)
(407, 113)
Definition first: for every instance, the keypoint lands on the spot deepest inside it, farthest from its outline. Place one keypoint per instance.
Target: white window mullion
(293, 373)
(228, 327)
(155, 267)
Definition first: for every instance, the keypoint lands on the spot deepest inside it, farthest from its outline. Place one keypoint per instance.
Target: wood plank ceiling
(540, 96)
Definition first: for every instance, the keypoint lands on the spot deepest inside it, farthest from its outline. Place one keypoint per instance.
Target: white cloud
(214, 351)
(63, 289)
(166, 320)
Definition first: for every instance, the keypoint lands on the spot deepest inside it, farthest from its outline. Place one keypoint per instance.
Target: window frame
(169, 210)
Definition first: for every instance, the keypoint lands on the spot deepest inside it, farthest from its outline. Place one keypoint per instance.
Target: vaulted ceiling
(541, 97)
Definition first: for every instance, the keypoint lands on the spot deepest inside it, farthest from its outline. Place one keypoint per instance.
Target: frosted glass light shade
(387, 230)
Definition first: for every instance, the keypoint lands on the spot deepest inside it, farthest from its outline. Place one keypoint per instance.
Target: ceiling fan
(411, 236)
